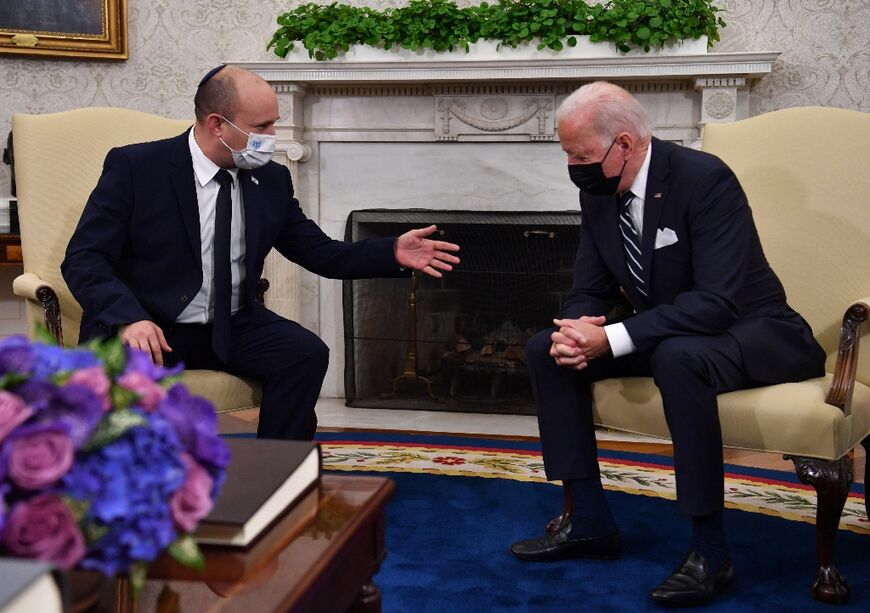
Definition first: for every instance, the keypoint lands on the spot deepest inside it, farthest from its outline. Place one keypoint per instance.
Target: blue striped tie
(631, 242)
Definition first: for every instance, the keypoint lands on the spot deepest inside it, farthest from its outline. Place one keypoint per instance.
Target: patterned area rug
(757, 491)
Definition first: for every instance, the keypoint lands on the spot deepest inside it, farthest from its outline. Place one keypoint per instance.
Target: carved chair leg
(831, 481)
(866, 445)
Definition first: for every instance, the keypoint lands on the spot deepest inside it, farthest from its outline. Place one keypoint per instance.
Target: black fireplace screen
(456, 344)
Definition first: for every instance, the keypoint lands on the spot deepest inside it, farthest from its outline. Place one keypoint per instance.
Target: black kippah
(210, 74)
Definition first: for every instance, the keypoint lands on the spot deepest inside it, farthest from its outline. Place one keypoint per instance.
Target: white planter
(489, 50)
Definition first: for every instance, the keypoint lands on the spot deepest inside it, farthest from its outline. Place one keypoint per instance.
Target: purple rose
(149, 392)
(43, 528)
(141, 362)
(13, 412)
(195, 422)
(192, 501)
(39, 455)
(75, 406)
(16, 355)
(95, 379)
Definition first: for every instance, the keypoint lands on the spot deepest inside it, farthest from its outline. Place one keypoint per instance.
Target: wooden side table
(10, 249)
(321, 556)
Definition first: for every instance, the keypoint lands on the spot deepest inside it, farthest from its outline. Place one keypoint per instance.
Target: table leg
(368, 600)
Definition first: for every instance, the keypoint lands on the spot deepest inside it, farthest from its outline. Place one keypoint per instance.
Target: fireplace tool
(410, 371)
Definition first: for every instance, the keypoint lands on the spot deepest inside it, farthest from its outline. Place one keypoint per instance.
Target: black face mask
(590, 177)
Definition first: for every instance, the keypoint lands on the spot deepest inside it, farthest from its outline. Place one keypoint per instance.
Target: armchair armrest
(31, 287)
(843, 384)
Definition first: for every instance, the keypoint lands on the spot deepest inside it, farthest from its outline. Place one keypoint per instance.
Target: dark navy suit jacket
(714, 279)
(136, 251)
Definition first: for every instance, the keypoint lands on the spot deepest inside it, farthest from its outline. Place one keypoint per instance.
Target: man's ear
(213, 124)
(626, 143)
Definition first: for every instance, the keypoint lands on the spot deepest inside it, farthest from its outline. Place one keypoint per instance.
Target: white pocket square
(665, 237)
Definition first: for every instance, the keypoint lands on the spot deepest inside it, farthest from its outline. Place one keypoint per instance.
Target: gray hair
(613, 110)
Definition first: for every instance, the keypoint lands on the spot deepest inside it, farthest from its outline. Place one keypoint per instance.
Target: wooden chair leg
(831, 481)
(866, 445)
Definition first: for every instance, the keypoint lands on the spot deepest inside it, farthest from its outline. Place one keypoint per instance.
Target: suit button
(184, 299)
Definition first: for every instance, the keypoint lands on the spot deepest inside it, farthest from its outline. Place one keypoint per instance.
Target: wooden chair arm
(33, 288)
(843, 384)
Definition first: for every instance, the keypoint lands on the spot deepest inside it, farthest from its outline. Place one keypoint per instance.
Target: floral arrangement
(106, 460)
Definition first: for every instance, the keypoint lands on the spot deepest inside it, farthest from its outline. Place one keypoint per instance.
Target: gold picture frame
(75, 29)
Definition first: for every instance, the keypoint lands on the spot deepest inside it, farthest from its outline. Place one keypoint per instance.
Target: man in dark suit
(671, 228)
(172, 242)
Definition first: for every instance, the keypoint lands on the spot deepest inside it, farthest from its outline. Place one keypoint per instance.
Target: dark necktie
(221, 338)
(631, 242)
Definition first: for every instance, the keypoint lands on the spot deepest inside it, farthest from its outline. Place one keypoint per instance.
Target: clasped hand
(577, 341)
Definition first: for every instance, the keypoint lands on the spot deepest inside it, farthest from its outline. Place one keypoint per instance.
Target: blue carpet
(448, 539)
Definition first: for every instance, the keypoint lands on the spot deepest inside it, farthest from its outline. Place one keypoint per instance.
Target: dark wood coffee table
(321, 556)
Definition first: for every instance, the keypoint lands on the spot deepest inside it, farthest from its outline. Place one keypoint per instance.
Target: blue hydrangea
(129, 483)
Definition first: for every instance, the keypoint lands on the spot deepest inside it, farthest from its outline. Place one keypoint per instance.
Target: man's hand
(147, 336)
(578, 340)
(414, 250)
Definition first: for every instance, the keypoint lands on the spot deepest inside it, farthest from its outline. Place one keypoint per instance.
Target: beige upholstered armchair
(58, 159)
(807, 174)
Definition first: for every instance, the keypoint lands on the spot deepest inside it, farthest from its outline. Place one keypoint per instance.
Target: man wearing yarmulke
(172, 241)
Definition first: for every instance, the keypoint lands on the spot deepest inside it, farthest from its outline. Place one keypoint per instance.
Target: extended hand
(578, 340)
(146, 336)
(414, 250)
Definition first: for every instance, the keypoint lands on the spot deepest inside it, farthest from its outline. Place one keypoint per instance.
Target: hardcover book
(264, 479)
(28, 585)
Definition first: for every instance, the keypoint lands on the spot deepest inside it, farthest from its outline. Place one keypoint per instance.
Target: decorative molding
(494, 114)
(753, 65)
(719, 105)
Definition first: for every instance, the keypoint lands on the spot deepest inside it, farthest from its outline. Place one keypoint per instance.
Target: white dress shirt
(201, 309)
(620, 342)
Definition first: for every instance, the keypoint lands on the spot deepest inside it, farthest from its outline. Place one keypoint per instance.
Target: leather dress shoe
(692, 583)
(556, 545)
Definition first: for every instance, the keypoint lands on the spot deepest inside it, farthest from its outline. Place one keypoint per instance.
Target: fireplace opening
(457, 343)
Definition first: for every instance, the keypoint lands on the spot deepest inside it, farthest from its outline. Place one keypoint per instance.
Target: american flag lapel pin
(657, 195)
(255, 182)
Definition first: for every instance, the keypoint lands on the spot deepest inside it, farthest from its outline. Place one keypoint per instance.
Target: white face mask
(258, 151)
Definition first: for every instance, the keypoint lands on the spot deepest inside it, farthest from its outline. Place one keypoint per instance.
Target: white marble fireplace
(466, 135)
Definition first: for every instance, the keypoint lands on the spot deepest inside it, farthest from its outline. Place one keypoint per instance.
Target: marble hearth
(469, 135)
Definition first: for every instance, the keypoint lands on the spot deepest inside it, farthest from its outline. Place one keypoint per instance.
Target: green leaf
(122, 398)
(93, 531)
(138, 575)
(643, 33)
(42, 335)
(77, 508)
(186, 551)
(11, 379)
(112, 427)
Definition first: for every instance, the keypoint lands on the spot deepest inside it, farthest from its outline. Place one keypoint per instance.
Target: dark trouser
(689, 372)
(288, 360)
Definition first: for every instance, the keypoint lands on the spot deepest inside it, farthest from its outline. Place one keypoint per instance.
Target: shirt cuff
(620, 341)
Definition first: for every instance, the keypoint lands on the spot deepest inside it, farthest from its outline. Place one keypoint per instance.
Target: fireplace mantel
(458, 69)
(461, 134)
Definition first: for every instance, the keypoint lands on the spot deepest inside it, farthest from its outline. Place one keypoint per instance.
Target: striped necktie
(631, 242)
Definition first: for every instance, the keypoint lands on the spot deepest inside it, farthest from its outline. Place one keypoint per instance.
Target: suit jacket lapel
(654, 200)
(182, 179)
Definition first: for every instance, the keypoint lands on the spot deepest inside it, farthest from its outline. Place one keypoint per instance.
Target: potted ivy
(533, 28)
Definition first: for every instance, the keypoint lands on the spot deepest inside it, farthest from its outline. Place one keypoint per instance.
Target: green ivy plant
(329, 30)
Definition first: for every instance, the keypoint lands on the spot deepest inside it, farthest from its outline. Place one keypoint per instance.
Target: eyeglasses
(210, 74)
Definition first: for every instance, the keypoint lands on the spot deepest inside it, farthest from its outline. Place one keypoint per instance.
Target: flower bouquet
(106, 460)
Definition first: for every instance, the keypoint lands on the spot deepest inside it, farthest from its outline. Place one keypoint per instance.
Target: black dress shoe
(692, 583)
(556, 545)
